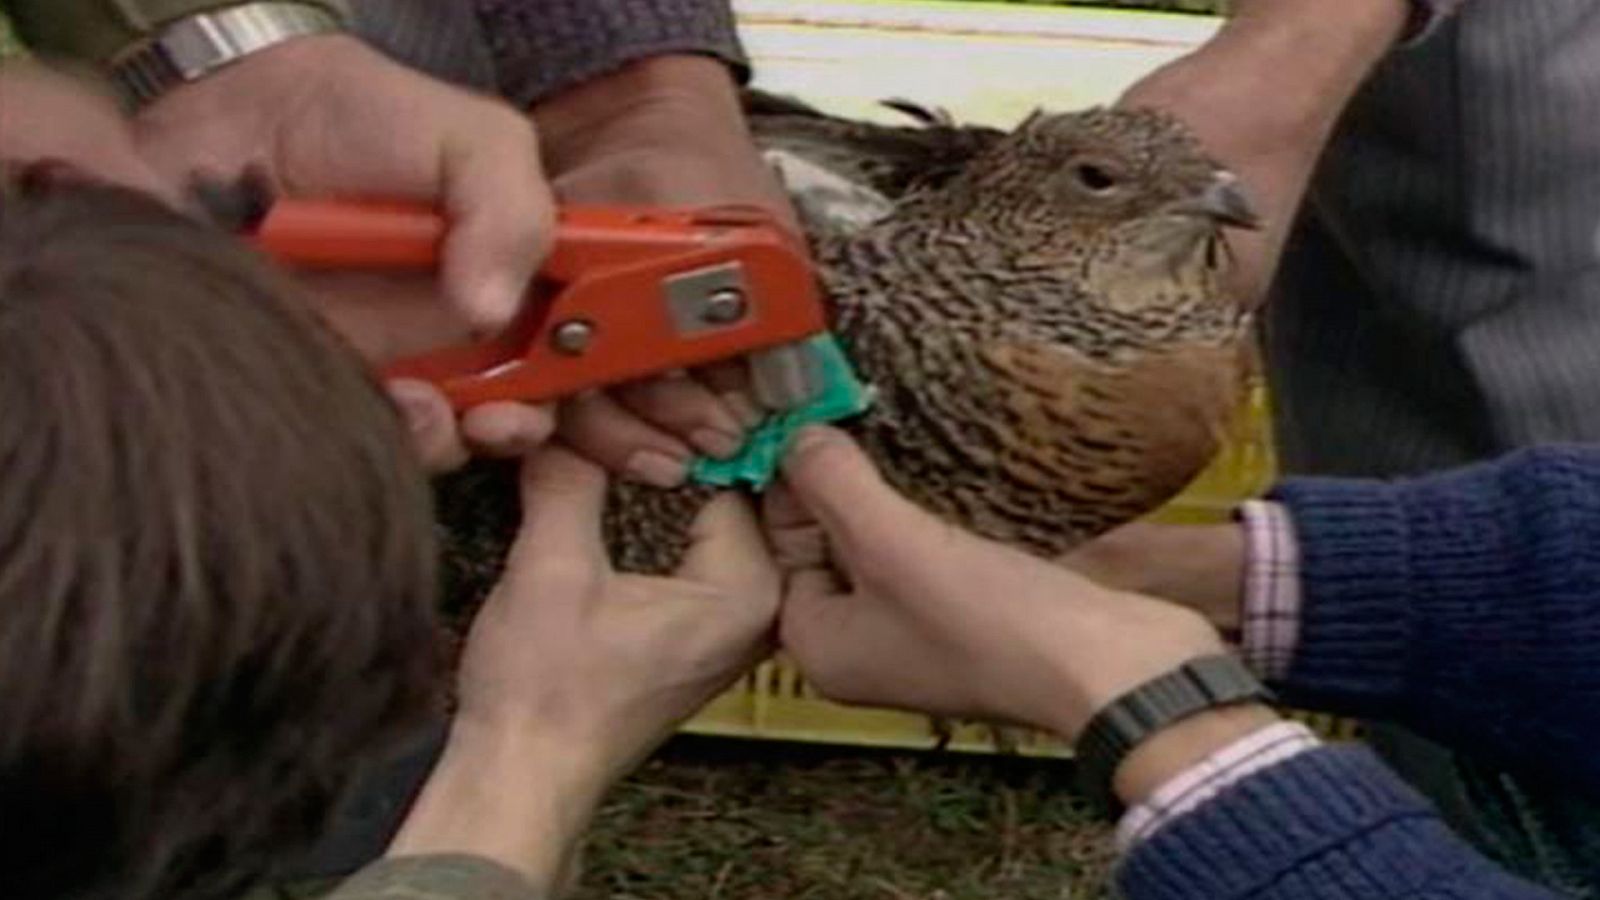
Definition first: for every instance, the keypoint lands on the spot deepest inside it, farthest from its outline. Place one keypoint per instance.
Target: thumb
(431, 423)
(834, 480)
(502, 222)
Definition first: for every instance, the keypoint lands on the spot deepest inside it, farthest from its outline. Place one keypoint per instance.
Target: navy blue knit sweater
(1465, 606)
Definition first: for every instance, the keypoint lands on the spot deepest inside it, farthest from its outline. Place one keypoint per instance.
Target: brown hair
(216, 556)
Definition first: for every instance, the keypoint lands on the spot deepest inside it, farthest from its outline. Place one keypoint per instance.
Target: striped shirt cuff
(1270, 619)
(1210, 777)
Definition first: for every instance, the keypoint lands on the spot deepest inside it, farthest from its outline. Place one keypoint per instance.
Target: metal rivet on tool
(572, 338)
(724, 306)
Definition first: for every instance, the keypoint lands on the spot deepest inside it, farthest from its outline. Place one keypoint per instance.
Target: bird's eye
(1095, 178)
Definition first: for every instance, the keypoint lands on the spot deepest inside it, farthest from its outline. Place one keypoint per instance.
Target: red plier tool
(626, 293)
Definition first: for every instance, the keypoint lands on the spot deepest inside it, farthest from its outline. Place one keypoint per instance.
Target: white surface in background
(991, 63)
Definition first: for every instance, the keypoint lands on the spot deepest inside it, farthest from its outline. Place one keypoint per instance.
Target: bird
(1042, 312)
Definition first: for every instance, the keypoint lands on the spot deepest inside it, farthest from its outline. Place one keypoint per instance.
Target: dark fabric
(1332, 824)
(440, 37)
(1467, 606)
(435, 878)
(542, 46)
(1440, 304)
(368, 819)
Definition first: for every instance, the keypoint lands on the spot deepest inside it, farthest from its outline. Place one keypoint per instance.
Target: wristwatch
(150, 46)
(1116, 730)
(192, 47)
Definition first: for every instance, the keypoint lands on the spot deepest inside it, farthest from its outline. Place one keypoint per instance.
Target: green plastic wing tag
(842, 396)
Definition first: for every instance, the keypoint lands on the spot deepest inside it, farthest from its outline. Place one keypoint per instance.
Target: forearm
(520, 800)
(99, 30)
(1232, 802)
(1464, 605)
(1264, 96)
(696, 98)
(1329, 824)
(542, 47)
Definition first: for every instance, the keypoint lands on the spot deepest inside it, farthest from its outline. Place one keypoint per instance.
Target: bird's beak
(1223, 201)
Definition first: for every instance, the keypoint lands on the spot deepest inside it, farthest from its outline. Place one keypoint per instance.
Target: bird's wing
(890, 159)
(827, 202)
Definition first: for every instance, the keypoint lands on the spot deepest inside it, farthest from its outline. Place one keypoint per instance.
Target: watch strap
(101, 31)
(1125, 723)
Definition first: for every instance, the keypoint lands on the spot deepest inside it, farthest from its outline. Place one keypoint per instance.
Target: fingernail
(744, 408)
(657, 469)
(496, 303)
(720, 444)
(807, 438)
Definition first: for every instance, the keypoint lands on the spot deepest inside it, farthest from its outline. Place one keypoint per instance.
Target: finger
(730, 381)
(599, 428)
(431, 422)
(686, 409)
(797, 539)
(813, 617)
(563, 497)
(508, 429)
(835, 481)
(727, 549)
(502, 215)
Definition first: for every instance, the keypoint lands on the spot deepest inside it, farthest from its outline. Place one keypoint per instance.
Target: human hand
(386, 317)
(886, 605)
(573, 673)
(48, 116)
(1264, 95)
(327, 116)
(1201, 567)
(666, 131)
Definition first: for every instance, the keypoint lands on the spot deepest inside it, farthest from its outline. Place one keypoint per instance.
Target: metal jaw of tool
(626, 293)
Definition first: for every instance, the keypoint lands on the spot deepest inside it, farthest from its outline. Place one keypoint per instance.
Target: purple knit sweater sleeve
(1332, 824)
(543, 46)
(1464, 605)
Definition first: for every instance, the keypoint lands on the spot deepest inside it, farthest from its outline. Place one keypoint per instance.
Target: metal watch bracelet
(192, 47)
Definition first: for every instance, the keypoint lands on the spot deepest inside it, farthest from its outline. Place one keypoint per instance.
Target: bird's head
(1125, 199)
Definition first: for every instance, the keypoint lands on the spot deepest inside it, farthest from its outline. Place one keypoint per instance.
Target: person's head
(217, 564)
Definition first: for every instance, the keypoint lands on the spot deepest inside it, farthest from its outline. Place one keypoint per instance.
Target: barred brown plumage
(1041, 310)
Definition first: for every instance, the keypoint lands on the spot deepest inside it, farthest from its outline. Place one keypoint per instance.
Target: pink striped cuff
(1270, 620)
(1211, 776)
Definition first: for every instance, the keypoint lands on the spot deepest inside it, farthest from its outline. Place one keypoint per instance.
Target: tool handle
(607, 275)
(336, 234)
(344, 234)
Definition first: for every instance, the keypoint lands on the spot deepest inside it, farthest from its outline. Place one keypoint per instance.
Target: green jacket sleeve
(98, 30)
(434, 878)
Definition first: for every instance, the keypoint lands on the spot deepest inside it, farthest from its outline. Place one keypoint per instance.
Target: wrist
(1363, 31)
(266, 88)
(1201, 567)
(513, 796)
(1174, 750)
(651, 99)
(1108, 648)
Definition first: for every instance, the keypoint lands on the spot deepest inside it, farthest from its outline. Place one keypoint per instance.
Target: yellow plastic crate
(775, 703)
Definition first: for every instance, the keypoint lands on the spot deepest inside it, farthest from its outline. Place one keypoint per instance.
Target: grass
(712, 819)
(724, 820)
